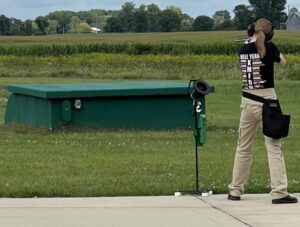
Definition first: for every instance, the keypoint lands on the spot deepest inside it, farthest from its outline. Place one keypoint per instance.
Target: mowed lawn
(83, 162)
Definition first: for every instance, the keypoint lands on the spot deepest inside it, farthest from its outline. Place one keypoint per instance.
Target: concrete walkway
(160, 211)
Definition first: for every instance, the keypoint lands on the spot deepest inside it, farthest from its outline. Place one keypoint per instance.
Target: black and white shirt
(258, 73)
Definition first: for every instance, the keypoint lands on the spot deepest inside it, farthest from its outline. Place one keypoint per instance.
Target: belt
(254, 97)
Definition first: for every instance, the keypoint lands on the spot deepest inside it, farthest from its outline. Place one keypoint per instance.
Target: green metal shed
(142, 104)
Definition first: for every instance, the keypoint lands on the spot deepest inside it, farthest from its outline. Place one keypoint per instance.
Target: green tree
(126, 16)
(113, 25)
(28, 30)
(96, 17)
(16, 27)
(73, 25)
(140, 20)
(83, 27)
(273, 9)
(35, 28)
(221, 15)
(222, 20)
(203, 23)
(243, 16)
(52, 27)
(175, 9)
(4, 25)
(187, 22)
(78, 26)
(169, 21)
(90, 17)
(63, 18)
(101, 21)
(153, 13)
(42, 24)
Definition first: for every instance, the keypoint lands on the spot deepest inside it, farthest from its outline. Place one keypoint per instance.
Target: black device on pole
(200, 89)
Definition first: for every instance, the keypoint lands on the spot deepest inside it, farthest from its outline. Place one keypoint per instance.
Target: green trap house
(131, 105)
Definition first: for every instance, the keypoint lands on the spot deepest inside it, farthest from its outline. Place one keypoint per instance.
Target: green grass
(91, 163)
(83, 162)
(34, 162)
(145, 66)
(122, 66)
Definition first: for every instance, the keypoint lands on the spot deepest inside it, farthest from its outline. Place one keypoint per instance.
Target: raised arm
(282, 60)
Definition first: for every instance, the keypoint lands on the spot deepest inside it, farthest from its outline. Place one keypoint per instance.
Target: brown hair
(262, 27)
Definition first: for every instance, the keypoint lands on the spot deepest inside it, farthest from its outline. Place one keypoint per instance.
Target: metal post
(196, 107)
(197, 169)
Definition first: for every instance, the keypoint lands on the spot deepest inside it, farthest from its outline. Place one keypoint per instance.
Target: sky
(30, 9)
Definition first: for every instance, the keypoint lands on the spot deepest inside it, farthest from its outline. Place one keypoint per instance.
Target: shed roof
(138, 88)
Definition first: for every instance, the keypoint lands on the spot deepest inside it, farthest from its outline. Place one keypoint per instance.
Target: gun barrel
(240, 40)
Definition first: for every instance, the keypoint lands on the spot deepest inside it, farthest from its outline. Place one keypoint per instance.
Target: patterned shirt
(258, 73)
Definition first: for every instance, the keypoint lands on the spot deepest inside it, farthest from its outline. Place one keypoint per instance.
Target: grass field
(180, 37)
(185, 55)
(85, 162)
(34, 162)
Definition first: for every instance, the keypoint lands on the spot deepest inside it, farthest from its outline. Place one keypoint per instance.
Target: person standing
(257, 58)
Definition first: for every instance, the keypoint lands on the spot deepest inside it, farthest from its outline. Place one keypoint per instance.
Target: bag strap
(254, 97)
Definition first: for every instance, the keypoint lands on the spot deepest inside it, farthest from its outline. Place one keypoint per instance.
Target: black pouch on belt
(275, 123)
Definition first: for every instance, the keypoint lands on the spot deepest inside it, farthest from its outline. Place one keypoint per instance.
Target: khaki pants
(251, 116)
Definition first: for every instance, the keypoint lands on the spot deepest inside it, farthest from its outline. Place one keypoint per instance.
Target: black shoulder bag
(275, 123)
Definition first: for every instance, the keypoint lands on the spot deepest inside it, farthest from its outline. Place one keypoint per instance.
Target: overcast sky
(30, 9)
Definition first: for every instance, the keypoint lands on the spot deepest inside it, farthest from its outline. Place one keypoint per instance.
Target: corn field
(123, 48)
(182, 55)
(135, 48)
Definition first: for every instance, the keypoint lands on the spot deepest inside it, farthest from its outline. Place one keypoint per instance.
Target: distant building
(95, 30)
(293, 21)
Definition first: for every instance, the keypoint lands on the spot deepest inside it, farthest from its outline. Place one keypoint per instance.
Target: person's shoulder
(270, 44)
(248, 47)
(242, 49)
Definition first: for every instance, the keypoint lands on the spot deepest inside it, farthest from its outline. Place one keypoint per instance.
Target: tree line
(145, 18)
